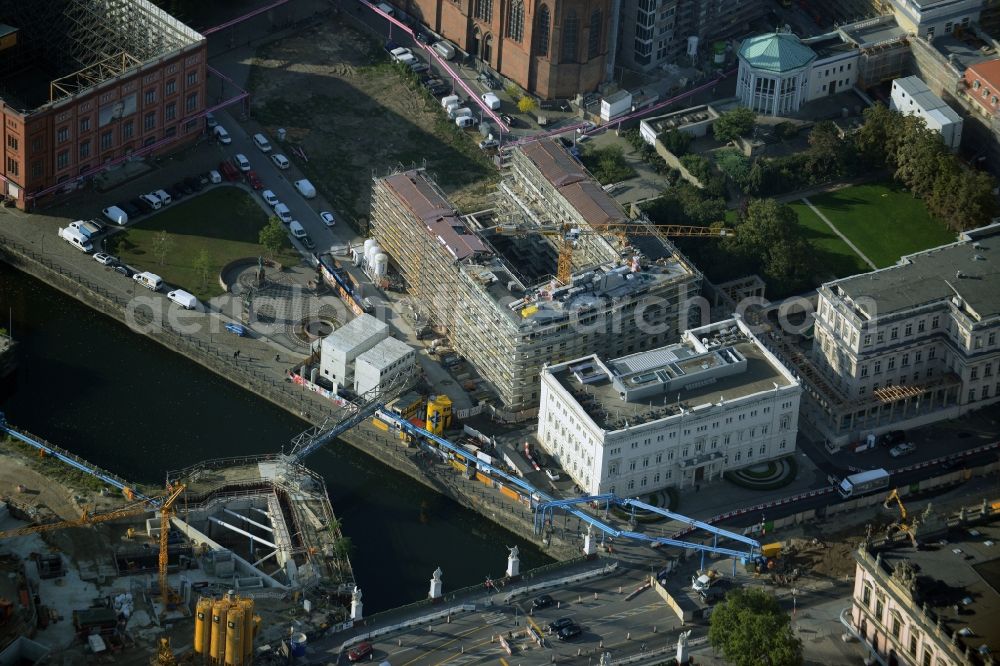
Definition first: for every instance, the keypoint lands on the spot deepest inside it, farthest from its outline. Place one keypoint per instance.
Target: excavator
(900, 525)
(163, 504)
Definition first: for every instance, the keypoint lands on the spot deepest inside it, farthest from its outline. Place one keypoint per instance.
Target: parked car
(557, 625)
(124, 270)
(425, 38)
(194, 182)
(241, 162)
(543, 601)
(487, 144)
(419, 67)
(269, 198)
(892, 438)
(360, 651)
(901, 450)
(308, 242)
(254, 180)
(328, 218)
(280, 161)
(570, 632)
(105, 259)
(210, 120)
(175, 192)
(509, 120)
(130, 209)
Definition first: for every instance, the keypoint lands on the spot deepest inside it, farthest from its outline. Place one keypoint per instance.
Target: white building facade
(678, 416)
(378, 367)
(933, 18)
(911, 96)
(339, 349)
(914, 343)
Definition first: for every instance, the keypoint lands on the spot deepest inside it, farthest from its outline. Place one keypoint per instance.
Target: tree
(734, 124)
(272, 236)
(828, 154)
(116, 241)
(203, 266)
(735, 165)
(757, 179)
(676, 141)
(749, 628)
(527, 104)
(917, 160)
(163, 243)
(770, 236)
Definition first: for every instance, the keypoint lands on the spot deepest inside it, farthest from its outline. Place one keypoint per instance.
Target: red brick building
(82, 92)
(982, 85)
(551, 48)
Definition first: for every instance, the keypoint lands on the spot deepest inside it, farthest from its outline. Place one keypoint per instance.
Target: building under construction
(489, 277)
(89, 83)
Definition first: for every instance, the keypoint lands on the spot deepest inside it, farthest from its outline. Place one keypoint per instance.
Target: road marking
(504, 661)
(434, 649)
(464, 657)
(535, 625)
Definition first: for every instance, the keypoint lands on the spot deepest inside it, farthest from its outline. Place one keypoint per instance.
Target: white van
(458, 112)
(305, 188)
(297, 229)
(492, 101)
(222, 135)
(261, 142)
(183, 299)
(214, 177)
(76, 239)
(445, 49)
(150, 281)
(465, 121)
(163, 197)
(386, 8)
(449, 100)
(116, 215)
(285, 215)
(241, 162)
(153, 201)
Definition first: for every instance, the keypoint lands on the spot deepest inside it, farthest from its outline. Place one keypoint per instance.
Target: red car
(254, 180)
(229, 172)
(360, 651)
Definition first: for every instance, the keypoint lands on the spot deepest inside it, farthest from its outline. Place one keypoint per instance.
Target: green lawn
(225, 222)
(883, 221)
(833, 257)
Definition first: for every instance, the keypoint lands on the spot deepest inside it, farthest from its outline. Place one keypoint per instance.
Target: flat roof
(355, 333)
(569, 178)
(969, 269)
(602, 401)
(867, 34)
(963, 566)
(415, 190)
(966, 51)
(385, 353)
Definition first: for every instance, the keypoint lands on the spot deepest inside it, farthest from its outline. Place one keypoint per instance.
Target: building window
(931, 353)
(106, 139)
(84, 149)
(171, 87)
(62, 135)
(868, 340)
(62, 160)
(150, 97)
(892, 362)
(128, 129)
(192, 77)
(192, 102)
(920, 326)
(12, 166)
(170, 111)
(544, 23)
(37, 169)
(878, 610)
(908, 330)
(571, 31)
(84, 124)
(484, 10)
(150, 121)
(864, 371)
(894, 333)
(878, 367)
(906, 360)
(935, 320)
(12, 142)
(866, 595)
(515, 22)
(594, 36)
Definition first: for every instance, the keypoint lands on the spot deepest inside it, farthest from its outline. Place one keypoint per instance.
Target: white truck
(76, 239)
(703, 580)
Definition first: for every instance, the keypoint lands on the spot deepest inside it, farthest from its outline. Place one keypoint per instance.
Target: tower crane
(567, 236)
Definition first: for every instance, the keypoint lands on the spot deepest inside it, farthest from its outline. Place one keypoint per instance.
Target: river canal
(92, 386)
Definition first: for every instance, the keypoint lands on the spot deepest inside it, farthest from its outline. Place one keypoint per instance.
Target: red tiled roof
(988, 71)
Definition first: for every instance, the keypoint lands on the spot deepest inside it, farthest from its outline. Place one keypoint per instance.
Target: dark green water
(92, 386)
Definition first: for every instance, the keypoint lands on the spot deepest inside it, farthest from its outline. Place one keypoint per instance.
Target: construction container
(202, 626)
(220, 611)
(438, 414)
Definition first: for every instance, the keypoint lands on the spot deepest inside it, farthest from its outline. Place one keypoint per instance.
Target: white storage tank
(371, 254)
(369, 244)
(381, 264)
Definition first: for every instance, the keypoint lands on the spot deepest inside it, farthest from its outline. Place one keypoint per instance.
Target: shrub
(527, 104)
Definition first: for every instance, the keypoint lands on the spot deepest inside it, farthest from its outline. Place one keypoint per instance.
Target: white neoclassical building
(774, 73)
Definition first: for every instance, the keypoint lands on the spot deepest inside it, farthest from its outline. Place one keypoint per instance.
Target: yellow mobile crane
(163, 503)
(569, 235)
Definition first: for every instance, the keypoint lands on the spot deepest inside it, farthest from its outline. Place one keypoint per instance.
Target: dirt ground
(356, 116)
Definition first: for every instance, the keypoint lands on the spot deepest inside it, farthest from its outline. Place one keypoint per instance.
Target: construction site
(554, 271)
(253, 540)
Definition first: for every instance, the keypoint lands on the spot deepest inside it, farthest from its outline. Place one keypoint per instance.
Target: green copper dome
(776, 52)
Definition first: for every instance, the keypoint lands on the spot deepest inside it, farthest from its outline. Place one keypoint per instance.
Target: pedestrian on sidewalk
(277, 358)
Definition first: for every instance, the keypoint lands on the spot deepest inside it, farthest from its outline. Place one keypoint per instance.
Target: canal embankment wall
(216, 353)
